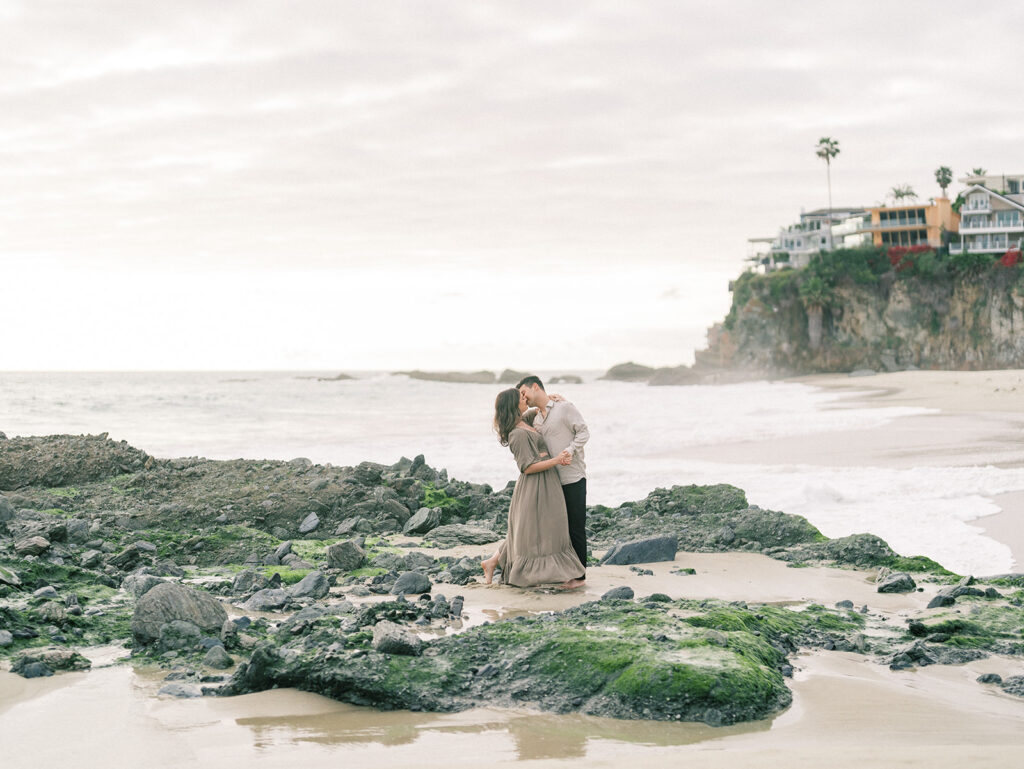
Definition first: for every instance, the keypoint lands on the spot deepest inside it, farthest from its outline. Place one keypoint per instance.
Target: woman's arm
(547, 464)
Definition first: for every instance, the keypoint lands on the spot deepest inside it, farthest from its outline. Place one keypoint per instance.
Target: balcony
(904, 224)
(981, 228)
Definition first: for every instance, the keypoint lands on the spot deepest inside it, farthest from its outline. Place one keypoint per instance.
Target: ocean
(642, 438)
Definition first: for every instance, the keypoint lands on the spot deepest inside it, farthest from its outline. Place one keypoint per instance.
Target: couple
(547, 537)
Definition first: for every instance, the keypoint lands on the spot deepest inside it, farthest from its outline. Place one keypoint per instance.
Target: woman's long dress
(537, 550)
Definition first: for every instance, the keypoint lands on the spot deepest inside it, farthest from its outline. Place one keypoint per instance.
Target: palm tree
(979, 171)
(944, 176)
(901, 191)
(827, 149)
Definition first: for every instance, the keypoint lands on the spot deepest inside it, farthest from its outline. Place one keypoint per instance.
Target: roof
(993, 193)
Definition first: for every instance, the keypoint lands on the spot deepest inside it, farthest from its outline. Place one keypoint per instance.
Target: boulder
(897, 582)
(346, 556)
(248, 581)
(282, 550)
(391, 638)
(31, 546)
(309, 523)
(48, 591)
(455, 534)
(32, 664)
(425, 519)
(411, 582)
(268, 599)
(218, 658)
(7, 511)
(178, 634)
(137, 585)
(629, 372)
(650, 550)
(621, 593)
(180, 690)
(168, 602)
(9, 577)
(6, 638)
(313, 585)
(91, 559)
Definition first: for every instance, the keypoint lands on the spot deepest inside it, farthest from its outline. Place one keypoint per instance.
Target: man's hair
(530, 381)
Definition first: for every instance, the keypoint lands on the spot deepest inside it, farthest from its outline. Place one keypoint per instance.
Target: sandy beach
(847, 709)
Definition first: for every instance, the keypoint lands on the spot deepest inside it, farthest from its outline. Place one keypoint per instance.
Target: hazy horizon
(449, 186)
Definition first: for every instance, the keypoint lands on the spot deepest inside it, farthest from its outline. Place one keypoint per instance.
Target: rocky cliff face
(960, 322)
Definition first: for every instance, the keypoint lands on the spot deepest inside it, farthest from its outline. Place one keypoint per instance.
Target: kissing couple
(547, 536)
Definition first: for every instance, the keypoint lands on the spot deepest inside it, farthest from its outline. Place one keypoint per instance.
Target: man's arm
(579, 428)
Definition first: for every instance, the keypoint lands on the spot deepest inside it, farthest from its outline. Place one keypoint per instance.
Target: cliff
(868, 308)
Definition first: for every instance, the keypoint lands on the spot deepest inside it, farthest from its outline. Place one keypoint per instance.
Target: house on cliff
(991, 222)
(796, 244)
(912, 225)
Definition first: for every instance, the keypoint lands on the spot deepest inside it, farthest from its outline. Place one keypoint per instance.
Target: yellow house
(912, 225)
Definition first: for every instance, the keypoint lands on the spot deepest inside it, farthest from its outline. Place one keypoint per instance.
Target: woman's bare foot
(573, 584)
(488, 566)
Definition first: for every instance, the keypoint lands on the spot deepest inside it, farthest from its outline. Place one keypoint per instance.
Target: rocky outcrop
(61, 460)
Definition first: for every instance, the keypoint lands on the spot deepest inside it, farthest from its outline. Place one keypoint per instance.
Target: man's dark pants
(576, 507)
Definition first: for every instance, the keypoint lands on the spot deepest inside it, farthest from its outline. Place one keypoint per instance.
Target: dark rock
(49, 591)
(990, 678)
(313, 585)
(1013, 685)
(621, 593)
(650, 550)
(844, 604)
(178, 634)
(457, 603)
(180, 690)
(32, 670)
(248, 581)
(268, 599)
(898, 582)
(392, 638)
(90, 559)
(283, 549)
(168, 602)
(425, 519)
(218, 658)
(628, 372)
(411, 582)
(941, 600)
(345, 556)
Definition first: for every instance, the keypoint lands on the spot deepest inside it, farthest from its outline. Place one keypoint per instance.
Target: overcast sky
(362, 185)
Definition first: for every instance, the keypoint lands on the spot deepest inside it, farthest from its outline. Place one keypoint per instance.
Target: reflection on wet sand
(532, 735)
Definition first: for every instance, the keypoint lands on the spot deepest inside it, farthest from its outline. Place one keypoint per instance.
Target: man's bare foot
(573, 584)
(488, 566)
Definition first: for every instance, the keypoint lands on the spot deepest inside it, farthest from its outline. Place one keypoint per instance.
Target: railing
(893, 225)
(966, 224)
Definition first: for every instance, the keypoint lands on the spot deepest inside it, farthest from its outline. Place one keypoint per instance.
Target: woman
(537, 549)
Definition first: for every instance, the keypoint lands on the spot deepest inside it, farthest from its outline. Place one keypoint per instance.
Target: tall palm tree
(978, 171)
(944, 176)
(901, 191)
(827, 149)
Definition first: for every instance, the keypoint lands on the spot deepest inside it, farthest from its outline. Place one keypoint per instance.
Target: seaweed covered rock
(615, 659)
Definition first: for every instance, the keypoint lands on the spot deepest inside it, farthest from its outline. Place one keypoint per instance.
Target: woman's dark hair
(506, 413)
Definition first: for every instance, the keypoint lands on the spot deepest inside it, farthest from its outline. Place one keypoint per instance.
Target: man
(562, 427)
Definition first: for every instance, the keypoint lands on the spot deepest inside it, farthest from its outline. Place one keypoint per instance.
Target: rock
(897, 582)
(990, 678)
(410, 582)
(915, 655)
(9, 577)
(309, 523)
(457, 604)
(127, 559)
(7, 511)
(425, 519)
(1014, 685)
(78, 531)
(46, 592)
(346, 556)
(247, 581)
(565, 379)
(391, 638)
(460, 377)
(268, 599)
(178, 634)
(455, 534)
(628, 372)
(218, 658)
(137, 585)
(621, 593)
(43, 662)
(283, 549)
(32, 670)
(313, 585)
(941, 600)
(91, 559)
(180, 690)
(31, 546)
(6, 639)
(650, 550)
(847, 604)
(168, 602)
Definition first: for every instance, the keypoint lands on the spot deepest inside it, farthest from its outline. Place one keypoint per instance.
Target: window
(1013, 186)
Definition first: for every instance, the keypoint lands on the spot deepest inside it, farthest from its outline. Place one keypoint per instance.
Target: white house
(796, 244)
(991, 222)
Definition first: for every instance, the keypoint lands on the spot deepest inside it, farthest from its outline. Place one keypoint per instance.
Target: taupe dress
(537, 550)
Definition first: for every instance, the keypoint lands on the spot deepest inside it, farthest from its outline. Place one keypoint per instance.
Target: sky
(451, 185)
